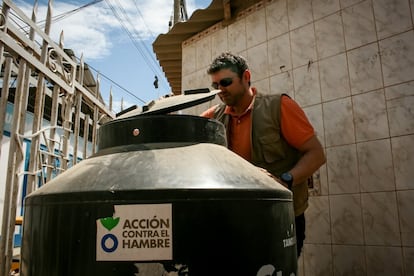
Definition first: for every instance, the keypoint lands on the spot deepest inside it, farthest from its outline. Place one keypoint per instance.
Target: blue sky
(107, 47)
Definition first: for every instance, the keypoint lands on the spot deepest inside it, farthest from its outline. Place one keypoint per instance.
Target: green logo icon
(109, 223)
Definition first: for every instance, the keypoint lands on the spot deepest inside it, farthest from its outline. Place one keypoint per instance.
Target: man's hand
(277, 179)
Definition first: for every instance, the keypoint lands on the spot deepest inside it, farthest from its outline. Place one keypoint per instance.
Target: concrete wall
(350, 65)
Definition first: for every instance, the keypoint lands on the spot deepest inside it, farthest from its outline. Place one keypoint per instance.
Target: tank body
(162, 196)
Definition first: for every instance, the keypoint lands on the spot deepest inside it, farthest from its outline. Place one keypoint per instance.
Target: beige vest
(269, 149)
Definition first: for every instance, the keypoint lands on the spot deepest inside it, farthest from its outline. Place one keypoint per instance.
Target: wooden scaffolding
(43, 72)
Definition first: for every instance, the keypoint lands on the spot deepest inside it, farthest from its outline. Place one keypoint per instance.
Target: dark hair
(227, 60)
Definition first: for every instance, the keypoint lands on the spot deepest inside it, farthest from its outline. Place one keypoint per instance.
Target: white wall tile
(347, 3)
(322, 8)
(189, 81)
(376, 171)
(303, 45)
(279, 54)
(365, 69)
(306, 83)
(277, 18)
(189, 56)
(359, 27)
(219, 42)
(409, 260)
(403, 156)
(339, 122)
(384, 261)
(237, 36)
(405, 201)
(196, 80)
(370, 116)
(282, 83)
(391, 17)
(300, 13)
(380, 216)
(203, 80)
(323, 175)
(342, 170)
(301, 266)
(349, 260)
(318, 223)
(400, 102)
(318, 260)
(412, 8)
(263, 86)
(346, 219)
(256, 28)
(203, 52)
(334, 78)
(258, 62)
(397, 55)
(329, 36)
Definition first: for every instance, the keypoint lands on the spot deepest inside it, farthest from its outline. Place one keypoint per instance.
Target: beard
(231, 99)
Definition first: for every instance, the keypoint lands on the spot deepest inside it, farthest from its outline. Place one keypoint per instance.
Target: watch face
(287, 177)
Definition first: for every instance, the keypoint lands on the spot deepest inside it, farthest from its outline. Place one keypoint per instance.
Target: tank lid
(174, 103)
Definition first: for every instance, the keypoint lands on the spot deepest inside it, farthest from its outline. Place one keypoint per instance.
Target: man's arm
(209, 113)
(313, 157)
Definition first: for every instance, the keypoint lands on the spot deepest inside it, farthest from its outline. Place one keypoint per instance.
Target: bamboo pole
(19, 160)
(11, 181)
(81, 70)
(77, 127)
(4, 14)
(85, 135)
(95, 117)
(67, 112)
(23, 89)
(95, 128)
(5, 95)
(38, 112)
(78, 110)
(52, 133)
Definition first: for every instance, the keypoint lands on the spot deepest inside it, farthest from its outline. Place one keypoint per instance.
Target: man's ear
(246, 76)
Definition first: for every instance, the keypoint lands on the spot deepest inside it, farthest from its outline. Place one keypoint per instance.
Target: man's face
(231, 86)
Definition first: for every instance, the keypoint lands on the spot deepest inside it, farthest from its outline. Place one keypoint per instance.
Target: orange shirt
(296, 128)
(240, 126)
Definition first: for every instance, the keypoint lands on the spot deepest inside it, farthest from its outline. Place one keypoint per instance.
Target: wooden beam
(227, 10)
(5, 95)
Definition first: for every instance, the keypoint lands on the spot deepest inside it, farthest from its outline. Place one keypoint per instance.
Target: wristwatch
(287, 177)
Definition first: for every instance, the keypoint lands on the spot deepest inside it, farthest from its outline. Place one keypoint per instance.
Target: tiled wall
(350, 65)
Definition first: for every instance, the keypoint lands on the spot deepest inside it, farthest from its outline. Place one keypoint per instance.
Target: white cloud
(94, 30)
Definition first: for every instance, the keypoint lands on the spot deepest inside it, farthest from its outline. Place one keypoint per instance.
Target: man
(270, 131)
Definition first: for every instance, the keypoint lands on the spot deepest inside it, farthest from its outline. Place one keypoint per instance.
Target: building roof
(168, 47)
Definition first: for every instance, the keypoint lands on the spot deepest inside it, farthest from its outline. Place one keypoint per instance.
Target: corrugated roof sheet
(167, 47)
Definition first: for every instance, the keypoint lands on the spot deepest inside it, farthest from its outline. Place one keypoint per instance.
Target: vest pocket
(272, 147)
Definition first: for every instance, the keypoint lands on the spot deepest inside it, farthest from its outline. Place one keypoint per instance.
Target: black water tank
(162, 196)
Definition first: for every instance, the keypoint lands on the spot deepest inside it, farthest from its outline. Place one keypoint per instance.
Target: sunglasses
(223, 83)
